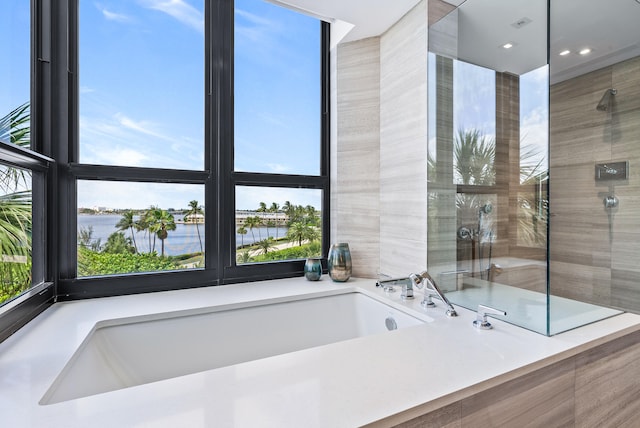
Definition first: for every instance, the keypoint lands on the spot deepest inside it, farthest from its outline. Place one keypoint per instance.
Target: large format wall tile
(588, 242)
(355, 186)
(403, 144)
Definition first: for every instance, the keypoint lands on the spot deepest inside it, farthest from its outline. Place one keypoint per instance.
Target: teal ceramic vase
(313, 268)
(339, 262)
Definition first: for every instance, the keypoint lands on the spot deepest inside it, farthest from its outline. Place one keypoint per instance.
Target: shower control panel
(612, 171)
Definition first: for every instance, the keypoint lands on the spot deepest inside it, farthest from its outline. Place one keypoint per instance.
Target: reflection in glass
(499, 258)
(277, 224)
(141, 83)
(15, 232)
(477, 233)
(276, 90)
(487, 184)
(139, 227)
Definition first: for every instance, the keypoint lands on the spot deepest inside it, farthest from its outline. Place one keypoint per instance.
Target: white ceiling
(610, 27)
(368, 17)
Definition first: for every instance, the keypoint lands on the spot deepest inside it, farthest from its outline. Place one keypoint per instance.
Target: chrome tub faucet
(431, 289)
(388, 284)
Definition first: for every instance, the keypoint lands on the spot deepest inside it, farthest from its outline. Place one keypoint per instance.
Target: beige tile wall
(379, 148)
(355, 185)
(590, 261)
(403, 145)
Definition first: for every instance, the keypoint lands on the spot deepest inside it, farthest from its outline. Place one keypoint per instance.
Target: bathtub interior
(133, 351)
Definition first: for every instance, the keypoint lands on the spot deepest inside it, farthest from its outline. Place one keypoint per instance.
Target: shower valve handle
(610, 201)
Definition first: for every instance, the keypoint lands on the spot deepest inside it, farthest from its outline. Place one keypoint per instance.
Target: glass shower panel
(488, 180)
(594, 235)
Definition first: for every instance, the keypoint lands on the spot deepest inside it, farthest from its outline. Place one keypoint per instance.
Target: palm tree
(474, 157)
(15, 208)
(242, 231)
(143, 225)
(160, 223)
(270, 223)
(147, 223)
(313, 234)
(288, 209)
(265, 245)
(262, 209)
(194, 210)
(275, 208)
(15, 128)
(252, 222)
(297, 232)
(127, 222)
(312, 217)
(243, 257)
(15, 224)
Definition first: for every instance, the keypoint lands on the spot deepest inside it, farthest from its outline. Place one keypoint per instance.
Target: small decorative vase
(313, 268)
(339, 262)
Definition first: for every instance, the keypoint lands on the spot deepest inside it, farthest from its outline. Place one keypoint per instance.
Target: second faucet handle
(481, 322)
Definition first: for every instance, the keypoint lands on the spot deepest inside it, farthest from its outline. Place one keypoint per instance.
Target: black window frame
(218, 176)
(17, 312)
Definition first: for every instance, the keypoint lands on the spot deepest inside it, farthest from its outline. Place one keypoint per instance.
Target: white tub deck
(344, 384)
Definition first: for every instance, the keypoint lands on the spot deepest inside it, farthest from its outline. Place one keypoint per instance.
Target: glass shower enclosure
(514, 146)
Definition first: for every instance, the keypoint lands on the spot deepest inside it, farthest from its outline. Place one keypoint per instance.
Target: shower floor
(527, 308)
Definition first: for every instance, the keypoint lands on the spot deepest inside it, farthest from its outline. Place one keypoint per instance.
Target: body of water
(183, 240)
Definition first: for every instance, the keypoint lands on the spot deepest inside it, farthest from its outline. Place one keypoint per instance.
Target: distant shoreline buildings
(275, 218)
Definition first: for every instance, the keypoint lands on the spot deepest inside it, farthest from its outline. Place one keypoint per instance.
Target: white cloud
(277, 168)
(254, 19)
(144, 127)
(260, 32)
(178, 9)
(113, 16)
(120, 140)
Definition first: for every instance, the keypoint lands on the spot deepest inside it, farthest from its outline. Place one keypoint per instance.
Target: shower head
(605, 101)
(486, 208)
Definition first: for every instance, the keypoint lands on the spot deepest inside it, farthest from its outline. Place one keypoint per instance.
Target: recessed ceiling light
(508, 45)
(565, 52)
(585, 51)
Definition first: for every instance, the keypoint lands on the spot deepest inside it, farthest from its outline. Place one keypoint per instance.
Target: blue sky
(15, 45)
(142, 96)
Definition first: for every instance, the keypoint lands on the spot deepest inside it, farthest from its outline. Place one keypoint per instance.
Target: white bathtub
(132, 351)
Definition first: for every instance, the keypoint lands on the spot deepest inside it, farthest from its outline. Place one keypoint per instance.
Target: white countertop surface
(345, 384)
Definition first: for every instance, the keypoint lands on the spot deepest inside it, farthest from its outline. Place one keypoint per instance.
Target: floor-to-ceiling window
(279, 176)
(23, 173)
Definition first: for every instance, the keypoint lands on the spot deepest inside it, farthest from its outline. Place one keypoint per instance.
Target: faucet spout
(431, 289)
(406, 283)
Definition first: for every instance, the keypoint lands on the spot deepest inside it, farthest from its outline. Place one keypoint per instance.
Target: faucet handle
(481, 322)
(416, 280)
(427, 302)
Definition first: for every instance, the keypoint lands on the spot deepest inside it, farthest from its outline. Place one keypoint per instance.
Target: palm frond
(15, 224)
(15, 127)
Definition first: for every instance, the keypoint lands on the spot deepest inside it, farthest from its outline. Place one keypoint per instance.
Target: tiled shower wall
(379, 155)
(595, 252)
